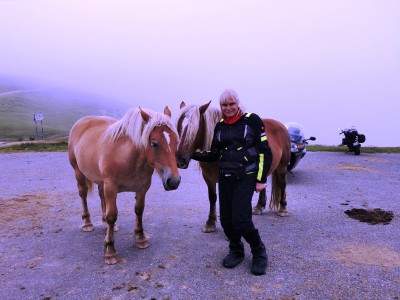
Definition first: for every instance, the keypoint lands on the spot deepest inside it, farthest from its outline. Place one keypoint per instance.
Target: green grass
(35, 147)
(321, 148)
(63, 146)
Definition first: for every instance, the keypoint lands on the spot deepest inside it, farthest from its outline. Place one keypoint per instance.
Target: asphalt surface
(317, 252)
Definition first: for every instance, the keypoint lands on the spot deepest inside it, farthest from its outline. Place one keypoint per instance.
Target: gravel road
(317, 252)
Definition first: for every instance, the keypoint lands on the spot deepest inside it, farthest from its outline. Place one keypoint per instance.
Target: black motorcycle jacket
(243, 143)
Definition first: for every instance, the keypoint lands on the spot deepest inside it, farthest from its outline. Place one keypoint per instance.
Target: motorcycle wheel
(357, 150)
(291, 163)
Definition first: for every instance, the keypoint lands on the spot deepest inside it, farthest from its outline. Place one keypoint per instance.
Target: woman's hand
(260, 186)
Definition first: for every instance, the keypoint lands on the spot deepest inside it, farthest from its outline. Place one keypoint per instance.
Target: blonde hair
(133, 125)
(192, 115)
(231, 94)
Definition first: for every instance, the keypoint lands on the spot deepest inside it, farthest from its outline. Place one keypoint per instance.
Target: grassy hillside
(60, 110)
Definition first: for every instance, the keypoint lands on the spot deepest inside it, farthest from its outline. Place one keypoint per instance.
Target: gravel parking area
(317, 252)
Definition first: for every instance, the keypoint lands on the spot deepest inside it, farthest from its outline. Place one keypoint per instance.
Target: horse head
(192, 130)
(161, 148)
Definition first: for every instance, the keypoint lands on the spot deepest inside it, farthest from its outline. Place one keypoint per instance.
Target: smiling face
(229, 107)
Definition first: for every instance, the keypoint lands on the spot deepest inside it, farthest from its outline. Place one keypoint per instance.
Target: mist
(324, 64)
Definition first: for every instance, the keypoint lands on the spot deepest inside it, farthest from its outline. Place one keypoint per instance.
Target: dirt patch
(370, 255)
(353, 167)
(23, 213)
(370, 216)
(23, 206)
(376, 159)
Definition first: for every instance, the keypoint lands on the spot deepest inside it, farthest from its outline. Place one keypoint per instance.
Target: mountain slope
(60, 111)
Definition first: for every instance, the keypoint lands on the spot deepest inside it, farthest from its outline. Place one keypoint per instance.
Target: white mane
(191, 114)
(133, 126)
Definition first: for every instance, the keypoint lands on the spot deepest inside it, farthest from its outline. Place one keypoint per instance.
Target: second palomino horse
(196, 125)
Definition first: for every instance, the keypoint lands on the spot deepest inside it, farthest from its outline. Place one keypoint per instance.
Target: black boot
(260, 257)
(235, 255)
(260, 260)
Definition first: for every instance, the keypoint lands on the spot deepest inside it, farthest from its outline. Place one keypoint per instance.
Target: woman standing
(241, 145)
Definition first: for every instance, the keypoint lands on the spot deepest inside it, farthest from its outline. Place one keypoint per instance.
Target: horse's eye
(153, 143)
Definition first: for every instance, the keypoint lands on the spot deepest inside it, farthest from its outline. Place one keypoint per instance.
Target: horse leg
(282, 208)
(111, 215)
(211, 223)
(83, 189)
(103, 205)
(141, 241)
(280, 188)
(103, 202)
(262, 200)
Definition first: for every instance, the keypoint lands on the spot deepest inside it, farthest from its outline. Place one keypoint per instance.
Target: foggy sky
(324, 64)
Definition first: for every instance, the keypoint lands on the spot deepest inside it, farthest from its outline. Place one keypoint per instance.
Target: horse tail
(275, 192)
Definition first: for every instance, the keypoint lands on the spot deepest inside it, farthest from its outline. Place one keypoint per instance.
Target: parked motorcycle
(298, 141)
(352, 139)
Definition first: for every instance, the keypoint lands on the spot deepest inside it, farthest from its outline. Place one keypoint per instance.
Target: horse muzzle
(182, 162)
(171, 183)
(169, 180)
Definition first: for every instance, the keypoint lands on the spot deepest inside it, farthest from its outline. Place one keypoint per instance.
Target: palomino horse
(196, 127)
(120, 156)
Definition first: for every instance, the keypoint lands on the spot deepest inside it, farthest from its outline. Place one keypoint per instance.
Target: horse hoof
(142, 244)
(141, 240)
(257, 211)
(209, 228)
(283, 213)
(111, 260)
(87, 227)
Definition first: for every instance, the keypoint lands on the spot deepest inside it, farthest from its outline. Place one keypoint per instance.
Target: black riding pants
(235, 197)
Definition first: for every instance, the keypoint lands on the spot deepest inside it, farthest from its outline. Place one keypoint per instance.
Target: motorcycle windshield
(295, 131)
(350, 130)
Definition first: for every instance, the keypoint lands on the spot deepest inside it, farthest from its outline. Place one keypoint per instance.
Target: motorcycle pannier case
(361, 138)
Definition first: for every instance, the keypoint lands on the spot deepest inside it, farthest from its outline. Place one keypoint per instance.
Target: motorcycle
(352, 139)
(298, 144)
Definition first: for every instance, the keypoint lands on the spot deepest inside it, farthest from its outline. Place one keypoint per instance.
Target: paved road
(318, 252)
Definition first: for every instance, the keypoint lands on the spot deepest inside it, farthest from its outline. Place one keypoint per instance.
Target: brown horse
(120, 156)
(196, 127)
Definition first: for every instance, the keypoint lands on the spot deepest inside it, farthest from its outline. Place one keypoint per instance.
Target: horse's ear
(167, 111)
(145, 115)
(183, 104)
(204, 107)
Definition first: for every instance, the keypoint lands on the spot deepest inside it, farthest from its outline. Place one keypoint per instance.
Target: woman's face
(229, 108)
